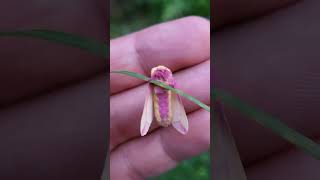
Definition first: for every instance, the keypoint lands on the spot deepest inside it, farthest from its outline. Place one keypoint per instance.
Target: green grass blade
(92, 46)
(158, 83)
(270, 122)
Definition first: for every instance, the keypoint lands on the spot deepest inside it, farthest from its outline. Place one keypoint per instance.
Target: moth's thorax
(162, 97)
(163, 74)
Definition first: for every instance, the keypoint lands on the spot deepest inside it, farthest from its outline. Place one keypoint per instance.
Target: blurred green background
(129, 16)
(197, 168)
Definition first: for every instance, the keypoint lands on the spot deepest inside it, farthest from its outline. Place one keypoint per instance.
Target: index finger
(177, 44)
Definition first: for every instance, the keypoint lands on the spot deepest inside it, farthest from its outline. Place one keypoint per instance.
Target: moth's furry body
(164, 104)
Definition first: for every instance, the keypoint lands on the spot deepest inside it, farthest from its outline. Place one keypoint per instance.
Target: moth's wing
(147, 115)
(180, 119)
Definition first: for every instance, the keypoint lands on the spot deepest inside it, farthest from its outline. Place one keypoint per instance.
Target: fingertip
(198, 23)
(176, 44)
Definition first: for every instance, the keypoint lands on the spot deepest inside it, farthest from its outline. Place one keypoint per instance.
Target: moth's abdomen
(162, 106)
(162, 97)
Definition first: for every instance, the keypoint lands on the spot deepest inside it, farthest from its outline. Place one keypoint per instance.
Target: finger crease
(166, 150)
(137, 174)
(139, 56)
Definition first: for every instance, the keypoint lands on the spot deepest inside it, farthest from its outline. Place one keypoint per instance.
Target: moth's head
(161, 73)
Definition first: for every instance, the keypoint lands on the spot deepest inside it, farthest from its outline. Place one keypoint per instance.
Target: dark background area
(266, 54)
(53, 98)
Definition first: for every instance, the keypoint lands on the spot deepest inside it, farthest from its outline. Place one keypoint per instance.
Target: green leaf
(226, 162)
(270, 122)
(158, 83)
(72, 40)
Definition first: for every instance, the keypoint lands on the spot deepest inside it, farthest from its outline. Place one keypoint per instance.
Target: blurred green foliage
(194, 169)
(129, 16)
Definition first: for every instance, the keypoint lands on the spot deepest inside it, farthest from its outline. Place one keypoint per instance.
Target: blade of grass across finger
(279, 128)
(226, 162)
(92, 46)
(158, 83)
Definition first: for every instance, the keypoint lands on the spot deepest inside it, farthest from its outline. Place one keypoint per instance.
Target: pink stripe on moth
(163, 102)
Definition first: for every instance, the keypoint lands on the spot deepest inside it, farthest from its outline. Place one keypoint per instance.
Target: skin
(272, 63)
(162, 148)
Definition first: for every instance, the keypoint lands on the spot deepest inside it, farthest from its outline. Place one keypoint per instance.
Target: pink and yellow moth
(165, 105)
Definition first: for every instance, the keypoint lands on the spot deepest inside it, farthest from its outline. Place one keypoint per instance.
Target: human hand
(184, 47)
